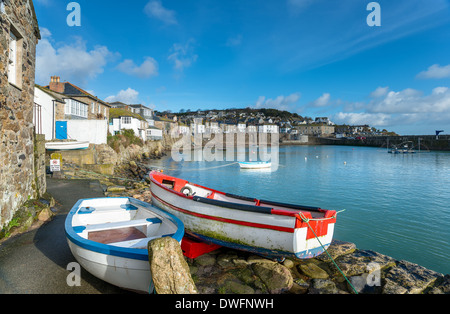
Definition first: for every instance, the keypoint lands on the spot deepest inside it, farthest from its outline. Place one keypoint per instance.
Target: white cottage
(46, 104)
(121, 119)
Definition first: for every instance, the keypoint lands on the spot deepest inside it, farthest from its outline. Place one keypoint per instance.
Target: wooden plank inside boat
(116, 235)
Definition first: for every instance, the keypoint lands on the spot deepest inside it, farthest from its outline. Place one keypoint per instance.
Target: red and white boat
(267, 228)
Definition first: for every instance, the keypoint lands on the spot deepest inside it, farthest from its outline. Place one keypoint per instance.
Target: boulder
(313, 271)
(276, 277)
(409, 278)
(170, 271)
(362, 261)
(442, 287)
(45, 215)
(323, 286)
(237, 288)
(336, 249)
(205, 260)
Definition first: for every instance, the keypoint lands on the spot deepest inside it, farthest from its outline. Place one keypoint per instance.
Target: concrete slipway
(36, 261)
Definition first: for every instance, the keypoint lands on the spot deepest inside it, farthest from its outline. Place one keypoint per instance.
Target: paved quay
(36, 261)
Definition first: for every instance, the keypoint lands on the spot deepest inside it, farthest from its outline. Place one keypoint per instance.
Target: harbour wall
(422, 142)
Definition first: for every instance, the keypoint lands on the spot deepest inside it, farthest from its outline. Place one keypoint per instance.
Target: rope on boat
(319, 219)
(342, 273)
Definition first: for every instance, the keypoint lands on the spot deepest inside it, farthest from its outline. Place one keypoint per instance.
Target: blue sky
(313, 57)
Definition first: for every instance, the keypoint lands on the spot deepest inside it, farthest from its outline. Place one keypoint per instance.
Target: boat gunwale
(293, 211)
(108, 249)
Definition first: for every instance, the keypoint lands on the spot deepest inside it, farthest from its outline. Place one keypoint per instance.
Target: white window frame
(12, 62)
(76, 108)
(126, 120)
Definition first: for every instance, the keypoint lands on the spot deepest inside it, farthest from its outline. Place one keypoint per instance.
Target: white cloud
(435, 72)
(45, 32)
(379, 92)
(182, 56)
(408, 108)
(281, 102)
(362, 118)
(147, 69)
(128, 96)
(155, 9)
(72, 62)
(322, 101)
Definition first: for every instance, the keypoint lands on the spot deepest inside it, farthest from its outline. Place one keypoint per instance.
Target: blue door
(61, 130)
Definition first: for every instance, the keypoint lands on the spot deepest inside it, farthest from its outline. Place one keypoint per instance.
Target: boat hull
(126, 273)
(120, 265)
(275, 236)
(55, 146)
(255, 165)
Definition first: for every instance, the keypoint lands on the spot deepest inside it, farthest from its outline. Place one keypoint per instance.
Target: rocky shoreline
(227, 271)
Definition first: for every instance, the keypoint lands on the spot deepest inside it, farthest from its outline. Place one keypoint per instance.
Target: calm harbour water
(397, 205)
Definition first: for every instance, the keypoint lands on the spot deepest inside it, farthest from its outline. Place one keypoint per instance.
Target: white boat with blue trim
(108, 237)
(255, 164)
(71, 145)
(273, 229)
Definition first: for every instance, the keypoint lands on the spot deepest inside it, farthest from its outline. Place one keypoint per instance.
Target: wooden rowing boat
(77, 145)
(273, 229)
(108, 237)
(254, 164)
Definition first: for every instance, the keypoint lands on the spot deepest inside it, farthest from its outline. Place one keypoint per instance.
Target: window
(76, 108)
(126, 120)
(12, 69)
(93, 107)
(15, 57)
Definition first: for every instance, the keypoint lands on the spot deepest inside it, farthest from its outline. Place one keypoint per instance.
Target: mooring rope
(208, 168)
(342, 273)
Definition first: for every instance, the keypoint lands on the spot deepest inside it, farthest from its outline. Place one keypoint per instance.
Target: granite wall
(17, 162)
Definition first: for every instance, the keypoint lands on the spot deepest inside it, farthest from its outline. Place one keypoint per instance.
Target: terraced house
(80, 104)
(20, 172)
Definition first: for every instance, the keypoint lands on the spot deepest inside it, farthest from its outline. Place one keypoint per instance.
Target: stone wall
(17, 181)
(39, 165)
(426, 142)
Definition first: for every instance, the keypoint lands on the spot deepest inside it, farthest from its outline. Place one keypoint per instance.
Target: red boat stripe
(232, 221)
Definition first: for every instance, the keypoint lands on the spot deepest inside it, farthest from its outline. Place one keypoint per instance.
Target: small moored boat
(273, 229)
(255, 164)
(108, 237)
(66, 145)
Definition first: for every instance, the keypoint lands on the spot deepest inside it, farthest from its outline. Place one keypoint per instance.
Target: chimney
(55, 84)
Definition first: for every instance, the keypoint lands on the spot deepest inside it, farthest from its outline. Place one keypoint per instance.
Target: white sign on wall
(55, 165)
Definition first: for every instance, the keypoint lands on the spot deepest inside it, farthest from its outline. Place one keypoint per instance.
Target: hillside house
(319, 130)
(143, 111)
(121, 119)
(164, 124)
(153, 134)
(47, 104)
(268, 128)
(81, 104)
(71, 118)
